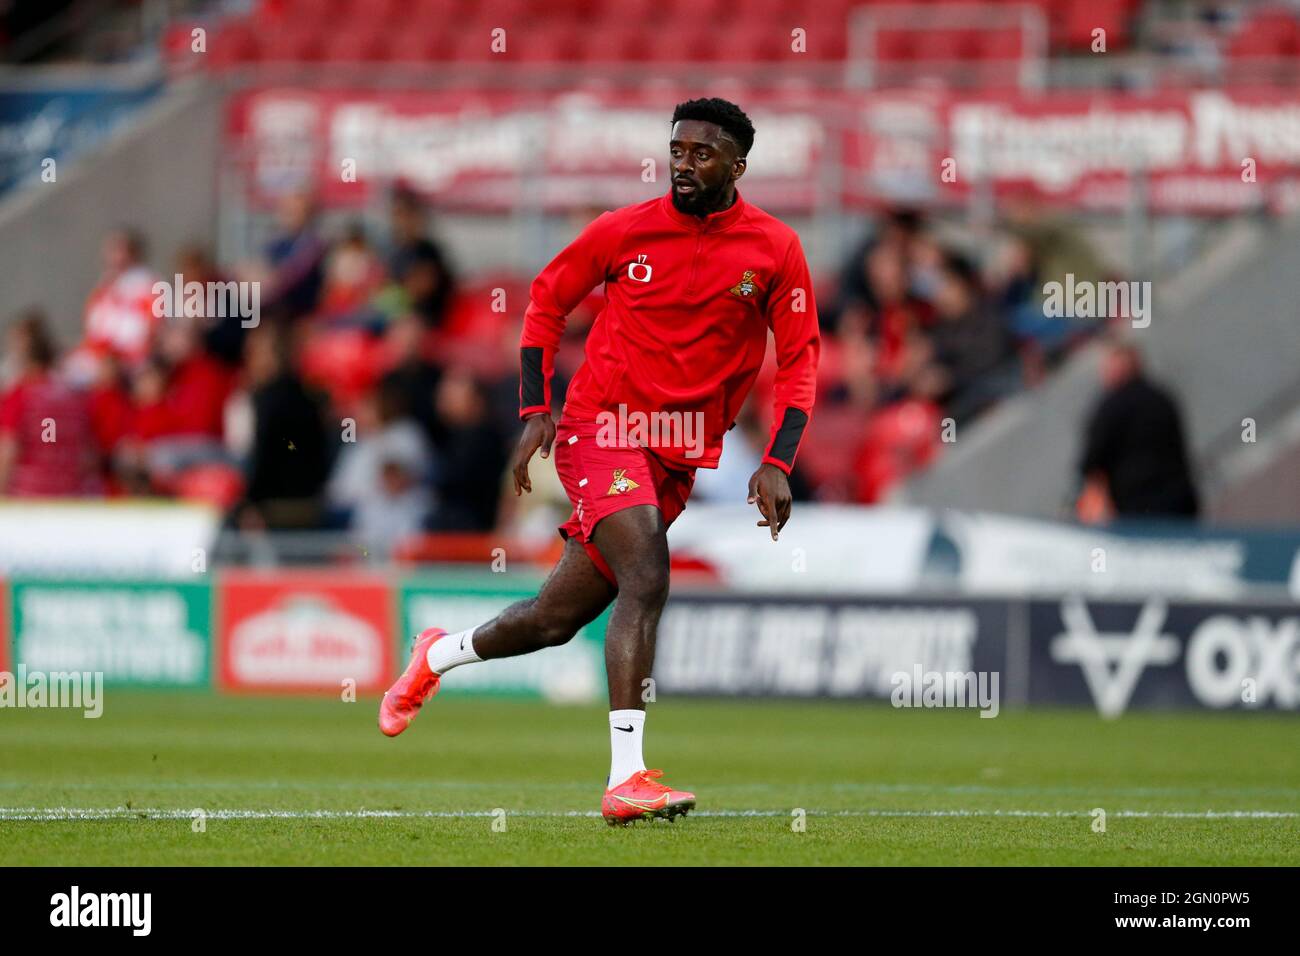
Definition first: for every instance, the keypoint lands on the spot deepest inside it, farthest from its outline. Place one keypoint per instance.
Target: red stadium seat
(473, 44)
(999, 45)
(944, 45)
(355, 46)
(825, 42)
(635, 14)
(1270, 34)
(178, 40)
(636, 45)
(1252, 44)
(519, 12)
(418, 45)
(556, 42)
(233, 43)
(752, 43)
(1081, 20)
(895, 46)
(297, 44)
(345, 363)
(702, 15)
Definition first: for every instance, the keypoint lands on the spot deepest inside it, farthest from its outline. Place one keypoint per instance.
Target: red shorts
(602, 480)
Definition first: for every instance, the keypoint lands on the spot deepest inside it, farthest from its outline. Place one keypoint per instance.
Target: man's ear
(739, 168)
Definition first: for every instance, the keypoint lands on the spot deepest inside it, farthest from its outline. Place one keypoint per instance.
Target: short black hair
(723, 113)
(962, 268)
(906, 219)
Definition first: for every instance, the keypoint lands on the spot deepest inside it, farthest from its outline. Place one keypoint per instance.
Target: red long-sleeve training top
(688, 304)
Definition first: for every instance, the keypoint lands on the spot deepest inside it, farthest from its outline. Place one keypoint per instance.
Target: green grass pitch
(279, 780)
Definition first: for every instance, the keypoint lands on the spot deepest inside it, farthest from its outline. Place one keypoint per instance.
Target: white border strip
(35, 814)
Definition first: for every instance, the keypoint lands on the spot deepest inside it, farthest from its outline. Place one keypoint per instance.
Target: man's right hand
(539, 432)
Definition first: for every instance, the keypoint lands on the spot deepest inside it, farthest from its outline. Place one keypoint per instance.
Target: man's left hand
(770, 490)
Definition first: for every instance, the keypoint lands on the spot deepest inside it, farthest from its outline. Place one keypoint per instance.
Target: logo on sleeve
(745, 287)
(622, 483)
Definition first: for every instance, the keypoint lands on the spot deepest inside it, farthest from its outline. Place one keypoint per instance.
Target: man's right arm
(557, 291)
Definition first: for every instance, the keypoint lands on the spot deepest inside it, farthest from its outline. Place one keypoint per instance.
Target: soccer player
(693, 281)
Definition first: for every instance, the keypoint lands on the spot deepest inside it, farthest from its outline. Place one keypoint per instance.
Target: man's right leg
(574, 595)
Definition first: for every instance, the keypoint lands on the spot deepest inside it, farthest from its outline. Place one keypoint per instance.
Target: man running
(693, 282)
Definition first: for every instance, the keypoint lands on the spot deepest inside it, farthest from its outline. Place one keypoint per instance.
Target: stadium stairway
(1223, 336)
(156, 172)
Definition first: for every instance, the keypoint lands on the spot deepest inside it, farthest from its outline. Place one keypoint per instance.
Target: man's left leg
(634, 544)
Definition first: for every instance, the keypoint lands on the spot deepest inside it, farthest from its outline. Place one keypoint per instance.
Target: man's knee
(645, 582)
(553, 626)
(634, 543)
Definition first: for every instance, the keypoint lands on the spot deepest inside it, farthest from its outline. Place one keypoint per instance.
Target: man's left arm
(792, 316)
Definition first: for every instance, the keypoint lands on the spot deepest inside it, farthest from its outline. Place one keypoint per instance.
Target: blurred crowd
(328, 399)
(374, 392)
(922, 334)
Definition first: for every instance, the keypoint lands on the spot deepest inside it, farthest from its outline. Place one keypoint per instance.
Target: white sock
(626, 728)
(452, 651)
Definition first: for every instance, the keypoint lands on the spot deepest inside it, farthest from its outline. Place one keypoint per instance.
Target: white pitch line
(37, 814)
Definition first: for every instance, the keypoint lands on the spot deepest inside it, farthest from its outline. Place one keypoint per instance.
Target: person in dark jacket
(471, 459)
(1135, 451)
(418, 265)
(290, 455)
(972, 345)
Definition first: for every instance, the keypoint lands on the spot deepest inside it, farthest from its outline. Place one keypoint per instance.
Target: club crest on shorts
(745, 287)
(621, 483)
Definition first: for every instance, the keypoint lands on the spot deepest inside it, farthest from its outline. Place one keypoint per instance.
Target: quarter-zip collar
(712, 222)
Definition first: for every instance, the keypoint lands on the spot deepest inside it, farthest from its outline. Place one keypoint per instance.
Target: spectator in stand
(353, 273)
(182, 415)
(898, 320)
(1044, 249)
(1135, 461)
(289, 457)
(432, 286)
(900, 438)
(120, 314)
(417, 290)
(198, 384)
(296, 257)
(148, 422)
(223, 333)
(47, 440)
(971, 344)
(471, 458)
(111, 411)
(901, 230)
(380, 483)
(413, 374)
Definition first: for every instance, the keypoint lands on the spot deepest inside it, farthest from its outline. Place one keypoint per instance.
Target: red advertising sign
(497, 150)
(1199, 151)
(304, 631)
(1190, 151)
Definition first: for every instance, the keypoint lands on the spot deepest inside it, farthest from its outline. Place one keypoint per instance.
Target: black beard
(703, 201)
